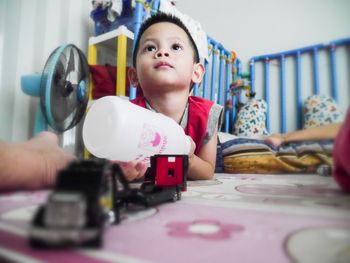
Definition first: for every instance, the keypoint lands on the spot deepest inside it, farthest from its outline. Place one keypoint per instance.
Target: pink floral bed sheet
(234, 218)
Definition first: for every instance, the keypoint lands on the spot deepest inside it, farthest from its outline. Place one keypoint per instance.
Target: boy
(166, 65)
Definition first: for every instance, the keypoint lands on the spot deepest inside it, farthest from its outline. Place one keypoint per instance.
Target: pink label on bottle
(152, 139)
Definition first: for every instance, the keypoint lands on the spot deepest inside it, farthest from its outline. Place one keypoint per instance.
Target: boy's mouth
(163, 64)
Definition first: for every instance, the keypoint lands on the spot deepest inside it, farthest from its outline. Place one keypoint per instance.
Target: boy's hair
(158, 18)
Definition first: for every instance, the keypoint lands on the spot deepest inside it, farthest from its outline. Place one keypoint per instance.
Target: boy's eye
(176, 46)
(149, 48)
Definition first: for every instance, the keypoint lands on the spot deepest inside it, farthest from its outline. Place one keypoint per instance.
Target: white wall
(255, 27)
(29, 31)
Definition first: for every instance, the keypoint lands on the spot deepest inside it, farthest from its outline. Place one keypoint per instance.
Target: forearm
(200, 169)
(328, 131)
(16, 170)
(4, 162)
(32, 164)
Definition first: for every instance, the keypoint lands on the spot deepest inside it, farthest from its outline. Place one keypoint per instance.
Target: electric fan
(62, 88)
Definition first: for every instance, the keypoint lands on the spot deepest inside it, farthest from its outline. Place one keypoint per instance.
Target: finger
(141, 168)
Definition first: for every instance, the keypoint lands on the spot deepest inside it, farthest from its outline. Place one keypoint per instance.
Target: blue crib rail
(219, 71)
(297, 55)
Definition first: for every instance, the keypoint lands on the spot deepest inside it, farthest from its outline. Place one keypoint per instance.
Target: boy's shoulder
(199, 100)
(201, 103)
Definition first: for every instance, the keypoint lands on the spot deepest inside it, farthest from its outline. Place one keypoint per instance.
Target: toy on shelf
(241, 85)
(111, 14)
(90, 194)
(237, 88)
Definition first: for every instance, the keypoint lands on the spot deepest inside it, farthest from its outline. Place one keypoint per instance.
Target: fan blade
(63, 100)
(71, 64)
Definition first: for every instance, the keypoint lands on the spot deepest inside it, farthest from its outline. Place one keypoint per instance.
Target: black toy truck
(89, 194)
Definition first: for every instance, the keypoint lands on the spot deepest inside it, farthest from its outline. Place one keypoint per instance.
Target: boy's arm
(327, 131)
(202, 166)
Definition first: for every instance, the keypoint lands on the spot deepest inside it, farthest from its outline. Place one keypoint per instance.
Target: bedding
(254, 155)
(247, 152)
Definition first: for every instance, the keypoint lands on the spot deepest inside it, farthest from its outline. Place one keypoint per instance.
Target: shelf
(111, 35)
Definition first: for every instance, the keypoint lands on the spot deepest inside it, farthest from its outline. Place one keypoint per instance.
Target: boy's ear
(132, 75)
(198, 73)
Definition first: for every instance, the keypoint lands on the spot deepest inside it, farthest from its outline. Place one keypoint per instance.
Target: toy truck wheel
(34, 243)
(95, 243)
(175, 197)
(179, 195)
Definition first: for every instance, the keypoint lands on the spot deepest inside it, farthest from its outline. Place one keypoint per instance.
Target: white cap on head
(194, 28)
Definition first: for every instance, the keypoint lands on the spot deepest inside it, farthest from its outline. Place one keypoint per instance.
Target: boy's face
(165, 59)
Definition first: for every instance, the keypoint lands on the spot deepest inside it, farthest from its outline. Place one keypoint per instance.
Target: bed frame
(292, 74)
(323, 62)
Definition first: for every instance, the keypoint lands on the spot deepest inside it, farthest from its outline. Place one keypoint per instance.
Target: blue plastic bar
(223, 89)
(233, 112)
(132, 92)
(239, 74)
(138, 18)
(40, 123)
(213, 42)
(138, 14)
(333, 69)
(283, 106)
(239, 67)
(227, 91)
(298, 89)
(252, 74)
(340, 42)
(288, 53)
(227, 121)
(315, 71)
(195, 89)
(308, 49)
(221, 76)
(205, 81)
(213, 72)
(267, 91)
(155, 6)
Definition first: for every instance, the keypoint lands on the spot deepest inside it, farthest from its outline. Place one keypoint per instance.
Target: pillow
(319, 110)
(251, 119)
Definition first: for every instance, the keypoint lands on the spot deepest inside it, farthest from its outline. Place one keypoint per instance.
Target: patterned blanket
(246, 155)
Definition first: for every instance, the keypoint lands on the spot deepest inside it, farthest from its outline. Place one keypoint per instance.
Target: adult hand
(32, 164)
(133, 170)
(275, 139)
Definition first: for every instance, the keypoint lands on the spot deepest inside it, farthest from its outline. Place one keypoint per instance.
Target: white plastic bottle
(117, 129)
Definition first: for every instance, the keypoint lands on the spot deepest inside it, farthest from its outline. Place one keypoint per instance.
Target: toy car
(164, 182)
(167, 178)
(79, 206)
(89, 194)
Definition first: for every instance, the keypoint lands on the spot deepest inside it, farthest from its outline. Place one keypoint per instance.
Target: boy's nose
(162, 53)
